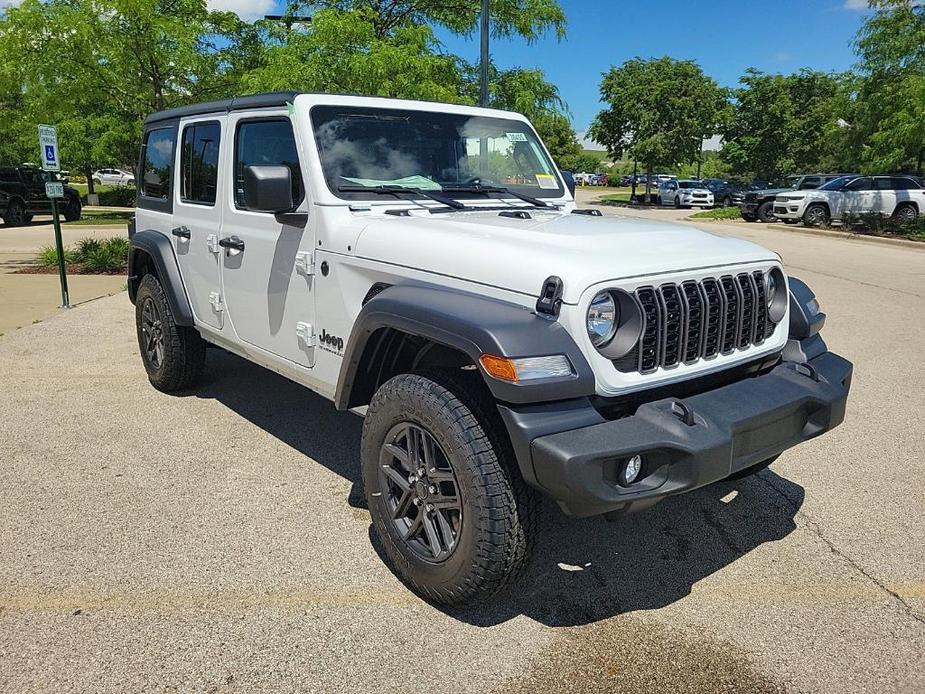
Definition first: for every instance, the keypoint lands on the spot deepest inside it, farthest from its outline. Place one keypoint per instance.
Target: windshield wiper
(479, 188)
(400, 190)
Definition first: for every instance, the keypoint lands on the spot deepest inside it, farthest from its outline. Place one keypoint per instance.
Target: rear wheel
(455, 520)
(15, 214)
(72, 209)
(766, 212)
(173, 355)
(905, 213)
(816, 215)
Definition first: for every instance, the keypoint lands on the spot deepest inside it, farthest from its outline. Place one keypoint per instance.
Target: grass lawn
(97, 218)
(718, 213)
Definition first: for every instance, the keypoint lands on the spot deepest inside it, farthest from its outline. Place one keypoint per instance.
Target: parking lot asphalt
(214, 541)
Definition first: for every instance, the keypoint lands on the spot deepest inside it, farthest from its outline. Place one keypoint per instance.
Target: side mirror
(268, 188)
(569, 181)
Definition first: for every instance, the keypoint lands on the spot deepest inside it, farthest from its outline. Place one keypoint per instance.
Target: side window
(860, 184)
(884, 184)
(157, 160)
(903, 184)
(8, 175)
(266, 143)
(809, 183)
(199, 163)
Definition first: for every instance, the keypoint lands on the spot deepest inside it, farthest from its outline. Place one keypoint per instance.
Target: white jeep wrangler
(426, 261)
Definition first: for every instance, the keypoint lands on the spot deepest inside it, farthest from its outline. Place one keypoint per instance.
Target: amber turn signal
(499, 367)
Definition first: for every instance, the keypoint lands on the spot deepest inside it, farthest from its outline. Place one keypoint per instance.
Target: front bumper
(788, 210)
(711, 435)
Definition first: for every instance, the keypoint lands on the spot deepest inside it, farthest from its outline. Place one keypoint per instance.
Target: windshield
(688, 184)
(788, 182)
(837, 183)
(429, 151)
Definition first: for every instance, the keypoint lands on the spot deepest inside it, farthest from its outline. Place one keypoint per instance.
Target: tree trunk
(90, 188)
(648, 183)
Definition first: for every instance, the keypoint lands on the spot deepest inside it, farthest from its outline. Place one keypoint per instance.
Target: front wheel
(15, 214)
(816, 215)
(766, 212)
(727, 201)
(455, 520)
(173, 355)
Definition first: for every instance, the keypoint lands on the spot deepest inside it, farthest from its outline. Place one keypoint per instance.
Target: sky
(723, 36)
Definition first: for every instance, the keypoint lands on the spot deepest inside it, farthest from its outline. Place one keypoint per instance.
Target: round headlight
(602, 318)
(771, 289)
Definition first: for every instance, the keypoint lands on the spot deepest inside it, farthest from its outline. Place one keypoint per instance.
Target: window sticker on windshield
(546, 181)
(516, 137)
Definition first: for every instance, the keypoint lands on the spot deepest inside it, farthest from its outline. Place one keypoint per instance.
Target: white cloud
(246, 9)
(8, 3)
(856, 4)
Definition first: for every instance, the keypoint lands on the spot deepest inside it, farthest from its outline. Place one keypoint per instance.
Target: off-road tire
(499, 512)
(15, 214)
(749, 218)
(73, 209)
(766, 212)
(905, 213)
(749, 471)
(27, 219)
(184, 350)
(816, 215)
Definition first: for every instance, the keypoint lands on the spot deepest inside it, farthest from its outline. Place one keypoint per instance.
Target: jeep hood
(519, 254)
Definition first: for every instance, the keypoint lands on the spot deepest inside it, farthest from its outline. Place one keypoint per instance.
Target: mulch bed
(72, 269)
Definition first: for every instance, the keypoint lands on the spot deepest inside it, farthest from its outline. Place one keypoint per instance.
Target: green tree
(890, 118)
(658, 111)
(782, 124)
(97, 67)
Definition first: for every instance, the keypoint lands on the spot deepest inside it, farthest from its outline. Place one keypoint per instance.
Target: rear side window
(9, 175)
(157, 163)
(199, 163)
(266, 143)
(903, 184)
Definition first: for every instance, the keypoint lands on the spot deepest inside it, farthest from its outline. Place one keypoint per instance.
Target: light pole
(483, 81)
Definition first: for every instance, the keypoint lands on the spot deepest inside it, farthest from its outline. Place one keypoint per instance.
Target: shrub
(94, 255)
(48, 256)
(121, 196)
(877, 225)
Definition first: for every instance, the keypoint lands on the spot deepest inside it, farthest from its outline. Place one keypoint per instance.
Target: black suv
(22, 195)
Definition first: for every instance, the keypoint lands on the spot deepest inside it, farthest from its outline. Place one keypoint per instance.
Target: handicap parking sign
(48, 143)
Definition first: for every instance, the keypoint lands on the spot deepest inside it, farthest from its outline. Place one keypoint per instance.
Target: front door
(197, 215)
(266, 263)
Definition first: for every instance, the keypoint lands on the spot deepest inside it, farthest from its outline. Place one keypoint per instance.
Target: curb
(826, 233)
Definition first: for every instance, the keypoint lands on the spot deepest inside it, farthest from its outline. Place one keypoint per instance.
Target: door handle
(232, 243)
(180, 232)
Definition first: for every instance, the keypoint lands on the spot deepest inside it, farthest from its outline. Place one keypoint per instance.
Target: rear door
(197, 215)
(884, 195)
(267, 274)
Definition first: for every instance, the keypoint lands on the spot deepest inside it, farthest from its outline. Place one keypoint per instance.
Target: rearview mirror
(268, 188)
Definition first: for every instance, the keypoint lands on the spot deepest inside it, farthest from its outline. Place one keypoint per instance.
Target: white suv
(425, 265)
(685, 194)
(113, 177)
(897, 196)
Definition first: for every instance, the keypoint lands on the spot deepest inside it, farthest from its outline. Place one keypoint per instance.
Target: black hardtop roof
(236, 103)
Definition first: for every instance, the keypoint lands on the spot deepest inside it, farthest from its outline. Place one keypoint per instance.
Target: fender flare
(474, 325)
(158, 248)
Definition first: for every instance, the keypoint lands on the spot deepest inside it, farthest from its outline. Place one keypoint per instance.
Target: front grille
(684, 323)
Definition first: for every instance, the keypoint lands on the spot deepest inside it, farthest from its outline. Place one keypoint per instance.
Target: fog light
(630, 470)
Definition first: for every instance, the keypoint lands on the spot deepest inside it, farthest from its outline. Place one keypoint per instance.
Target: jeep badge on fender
(504, 344)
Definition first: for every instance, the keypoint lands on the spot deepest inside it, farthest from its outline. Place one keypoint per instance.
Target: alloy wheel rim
(152, 331)
(421, 492)
(815, 215)
(906, 214)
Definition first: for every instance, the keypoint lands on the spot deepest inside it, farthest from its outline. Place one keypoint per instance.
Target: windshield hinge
(550, 300)
(305, 263)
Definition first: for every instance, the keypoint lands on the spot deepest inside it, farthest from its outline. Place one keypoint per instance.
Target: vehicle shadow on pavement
(293, 414)
(583, 570)
(586, 570)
